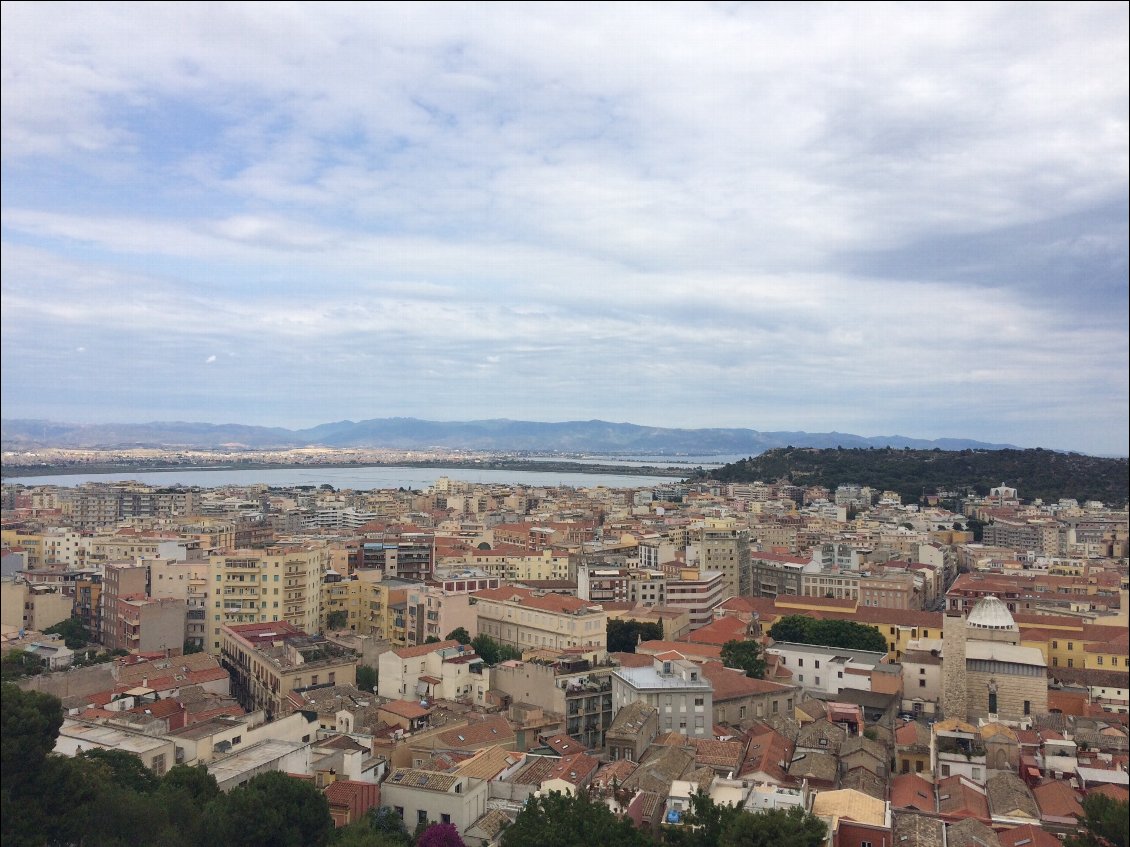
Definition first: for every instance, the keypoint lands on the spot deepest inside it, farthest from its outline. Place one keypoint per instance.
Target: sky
(880, 219)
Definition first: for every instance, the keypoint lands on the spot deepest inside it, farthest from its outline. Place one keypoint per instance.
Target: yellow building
(256, 586)
(342, 597)
(54, 546)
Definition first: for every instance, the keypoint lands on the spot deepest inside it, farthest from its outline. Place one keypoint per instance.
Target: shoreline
(15, 474)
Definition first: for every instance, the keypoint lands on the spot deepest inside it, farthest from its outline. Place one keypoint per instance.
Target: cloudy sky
(868, 218)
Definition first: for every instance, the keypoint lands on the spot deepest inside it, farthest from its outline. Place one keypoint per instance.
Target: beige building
(267, 661)
(145, 624)
(526, 620)
(53, 546)
(423, 797)
(722, 545)
(265, 586)
(188, 581)
(32, 607)
(987, 674)
(446, 670)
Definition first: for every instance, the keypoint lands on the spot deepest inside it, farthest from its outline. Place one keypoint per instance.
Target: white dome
(991, 613)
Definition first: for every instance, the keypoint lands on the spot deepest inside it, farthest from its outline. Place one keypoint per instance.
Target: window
(921, 683)
(445, 818)
(422, 817)
(921, 671)
(918, 766)
(1055, 645)
(1027, 707)
(741, 712)
(817, 663)
(399, 811)
(800, 663)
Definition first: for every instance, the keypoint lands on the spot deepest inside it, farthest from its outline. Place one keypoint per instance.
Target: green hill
(1037, 473)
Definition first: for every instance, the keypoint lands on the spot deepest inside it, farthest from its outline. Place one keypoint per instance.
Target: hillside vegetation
(912, 473)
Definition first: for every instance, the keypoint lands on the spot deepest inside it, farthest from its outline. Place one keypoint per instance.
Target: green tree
(704, 823)
(745, 655)
(191, 647)
(493, 652)
(337, 620)
(459, 634)
(563, 820)
(366, 678)
(791, 628)
(19, 663)
(849, 635)
(1105, 821)
(775, 827)
(73, 633)
(271, 810)
(29, 725)
(126, 770)
(623, 636)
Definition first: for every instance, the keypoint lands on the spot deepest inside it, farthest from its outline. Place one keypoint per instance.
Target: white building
(827, 670)
(444, 670)
(674, 687)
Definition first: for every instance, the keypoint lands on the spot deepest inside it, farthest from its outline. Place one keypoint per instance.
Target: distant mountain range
(413, 434)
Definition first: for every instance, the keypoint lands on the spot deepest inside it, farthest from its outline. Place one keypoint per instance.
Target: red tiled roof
(912, 791)
(405, 709)
(1058, 800)
(730, 684)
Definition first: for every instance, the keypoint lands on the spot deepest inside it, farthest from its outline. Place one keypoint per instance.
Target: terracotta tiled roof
(912, 791)
(1027, 836)
(490, 729)
(730, 684)
(959, 798)
(424, 649)
(1057, 800)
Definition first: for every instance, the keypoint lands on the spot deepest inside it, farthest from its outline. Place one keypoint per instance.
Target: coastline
(22, 471)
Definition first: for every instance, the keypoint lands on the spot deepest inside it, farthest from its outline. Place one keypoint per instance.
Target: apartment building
(267, 661)
(32, 607)
(400, 553)
(188, 581)
(525, 619)
(142, 624)
(777, 574)
(602, 584)
(260, 586)
(675, 688)
(698, 592)
(444, 670)
(573, 686)
(722, 545)
(432, 612)
(119, 580)
(420, 797)
(50, 547)
(827, 670)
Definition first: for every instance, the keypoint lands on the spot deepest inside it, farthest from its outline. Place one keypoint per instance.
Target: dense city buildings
(446, 652)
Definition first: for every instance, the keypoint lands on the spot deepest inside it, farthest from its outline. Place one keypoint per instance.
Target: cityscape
(555, 425)
(949, 669)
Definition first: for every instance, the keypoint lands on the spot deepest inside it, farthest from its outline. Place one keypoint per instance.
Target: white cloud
(677, 211)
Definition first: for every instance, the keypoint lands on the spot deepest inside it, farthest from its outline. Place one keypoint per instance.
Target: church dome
(991, 613)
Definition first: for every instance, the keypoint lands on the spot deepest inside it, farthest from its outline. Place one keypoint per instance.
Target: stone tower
(955, 692)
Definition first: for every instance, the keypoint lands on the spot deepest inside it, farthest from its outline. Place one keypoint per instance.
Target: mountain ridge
(504, 434)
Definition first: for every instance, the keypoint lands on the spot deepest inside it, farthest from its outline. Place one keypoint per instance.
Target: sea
(354, 478)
